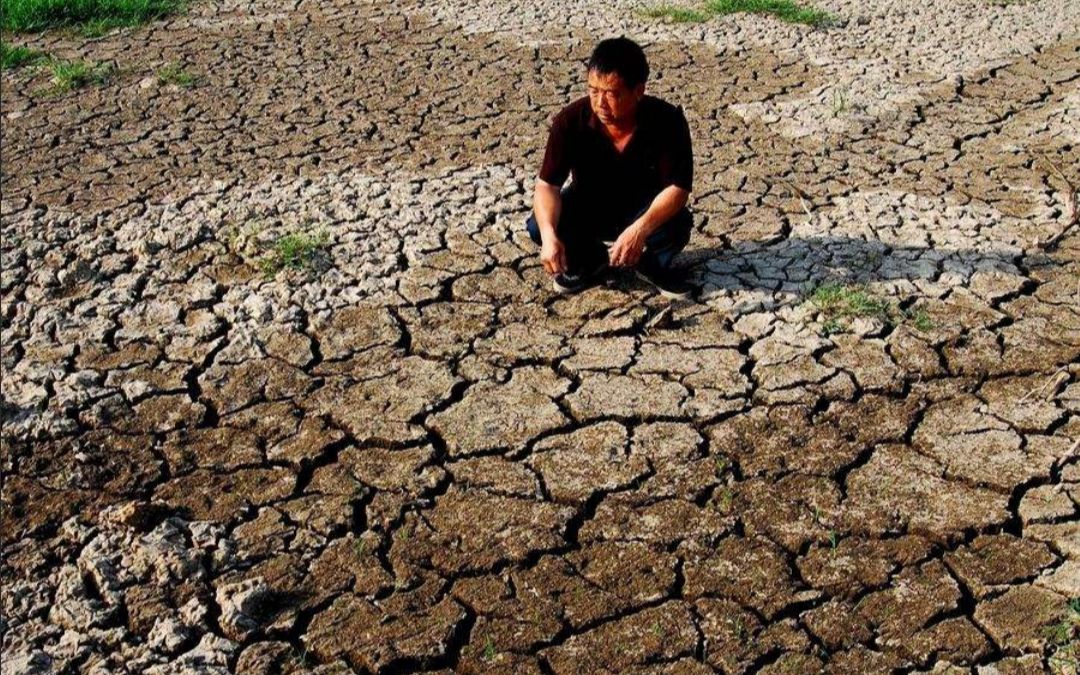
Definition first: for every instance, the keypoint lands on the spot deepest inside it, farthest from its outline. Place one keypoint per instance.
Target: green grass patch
(785, 10)
(1064, 638)
(921, 320)
(69, 75)
(676, 14)
(293, 252)
(174, 73)
(837, 301)
(91, 17)
(14, 56)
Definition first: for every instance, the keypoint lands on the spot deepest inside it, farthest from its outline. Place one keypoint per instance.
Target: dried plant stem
(798, 193)
(1073, 217)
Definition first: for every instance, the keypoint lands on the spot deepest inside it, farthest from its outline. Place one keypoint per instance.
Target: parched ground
(411, 455)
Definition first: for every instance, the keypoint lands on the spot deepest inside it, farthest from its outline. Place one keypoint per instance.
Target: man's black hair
(623, 56)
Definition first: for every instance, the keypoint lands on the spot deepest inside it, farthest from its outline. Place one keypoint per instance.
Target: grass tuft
(174, 73)
(676, 14)
(838, 302)
(14, 56)
(921, 320)
(91, 17)
(1064, 638)
(68, 75)
(785, 10)
(293, 251)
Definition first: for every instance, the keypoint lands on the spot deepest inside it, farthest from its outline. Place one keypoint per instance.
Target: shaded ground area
(406, 454)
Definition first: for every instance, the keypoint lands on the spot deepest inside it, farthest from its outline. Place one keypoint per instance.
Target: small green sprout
(70, 75)
(16, 56)
(489, 649)
(174, 73)
(293, 251)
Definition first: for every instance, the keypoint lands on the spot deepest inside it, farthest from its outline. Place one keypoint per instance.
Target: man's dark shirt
(622, 184)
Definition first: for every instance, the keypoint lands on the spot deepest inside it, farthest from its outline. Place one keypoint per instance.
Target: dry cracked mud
(408, 455)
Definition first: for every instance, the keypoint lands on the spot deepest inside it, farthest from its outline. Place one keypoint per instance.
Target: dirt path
(412, 456)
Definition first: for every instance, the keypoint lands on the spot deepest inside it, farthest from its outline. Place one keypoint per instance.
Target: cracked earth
(411, 456)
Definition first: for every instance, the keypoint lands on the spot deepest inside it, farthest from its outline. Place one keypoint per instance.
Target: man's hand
(553, 256)
(547, 205)
(627, 249)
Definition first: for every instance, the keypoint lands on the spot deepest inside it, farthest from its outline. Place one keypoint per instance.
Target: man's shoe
(669, 282)
(573, 282)
(567, 283)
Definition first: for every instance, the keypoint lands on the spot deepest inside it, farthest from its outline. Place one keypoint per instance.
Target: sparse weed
(676, 14)
(292, 251)
(360, 547)
(831, 327)
(489, 650)
(69, 75)
(1064, 639)
(724, 499)
(14, 56)
(90, 17)
(721, 465)
(834, 539)
(920, 319)
(838, 302)
(785, 10)
(174, 73)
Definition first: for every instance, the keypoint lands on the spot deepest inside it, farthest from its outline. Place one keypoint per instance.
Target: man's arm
(547, 206)
(628, 247)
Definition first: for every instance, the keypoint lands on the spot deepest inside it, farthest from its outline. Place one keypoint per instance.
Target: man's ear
(639, 91)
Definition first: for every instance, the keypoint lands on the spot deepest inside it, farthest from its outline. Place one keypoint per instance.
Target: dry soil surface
(410, 454)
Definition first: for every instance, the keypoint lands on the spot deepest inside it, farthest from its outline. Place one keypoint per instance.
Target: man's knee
(675, 232)
(682, 226)
(671, 238)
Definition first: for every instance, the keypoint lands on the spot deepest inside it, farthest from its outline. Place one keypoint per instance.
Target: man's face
(611, 100)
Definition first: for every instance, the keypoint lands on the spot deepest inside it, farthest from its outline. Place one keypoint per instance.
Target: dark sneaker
(669, 282)
(573, 282)
(567, 283)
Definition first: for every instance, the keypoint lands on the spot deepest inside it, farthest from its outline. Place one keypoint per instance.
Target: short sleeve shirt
(658, 155)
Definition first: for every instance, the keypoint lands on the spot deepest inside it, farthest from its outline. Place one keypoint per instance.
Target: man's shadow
(790, 269)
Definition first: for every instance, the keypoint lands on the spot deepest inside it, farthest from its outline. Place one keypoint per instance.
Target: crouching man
(632, 167)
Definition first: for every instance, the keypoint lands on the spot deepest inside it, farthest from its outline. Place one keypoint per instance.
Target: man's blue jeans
(583, 228)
